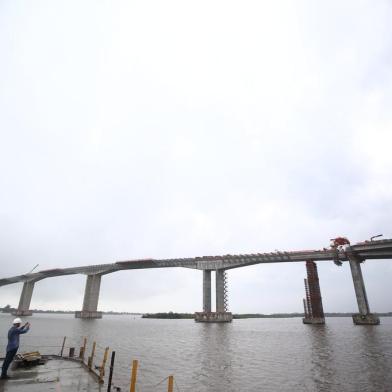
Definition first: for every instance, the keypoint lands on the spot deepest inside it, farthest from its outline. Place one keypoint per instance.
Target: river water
(246, 355)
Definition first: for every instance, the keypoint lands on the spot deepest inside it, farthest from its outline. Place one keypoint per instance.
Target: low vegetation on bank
(9, 309)
(169, 315)
(172, 315)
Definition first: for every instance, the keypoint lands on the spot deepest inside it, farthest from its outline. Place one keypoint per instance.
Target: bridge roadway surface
(381, 249)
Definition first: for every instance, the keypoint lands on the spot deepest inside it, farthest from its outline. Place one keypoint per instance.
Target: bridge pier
(364, 317)
(25, 300)
(91, 296)
(313, 305)
(206, 291)
(221, 315)
(220, 291)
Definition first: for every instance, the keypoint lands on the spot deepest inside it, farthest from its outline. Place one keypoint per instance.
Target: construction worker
(13, 344)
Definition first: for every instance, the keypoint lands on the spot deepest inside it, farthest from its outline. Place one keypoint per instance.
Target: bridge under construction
(353, 254)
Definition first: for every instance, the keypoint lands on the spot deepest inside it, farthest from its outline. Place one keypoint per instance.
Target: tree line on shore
(10, 309)
(175, 315)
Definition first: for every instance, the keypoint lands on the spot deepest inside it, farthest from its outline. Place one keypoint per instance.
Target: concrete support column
(364, 317)
(220, 290)
(359, 286)
(91, 296)
(206, 291)
(220, 315)
(25, 300)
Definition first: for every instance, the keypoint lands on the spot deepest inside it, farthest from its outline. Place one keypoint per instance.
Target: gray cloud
(133, 130)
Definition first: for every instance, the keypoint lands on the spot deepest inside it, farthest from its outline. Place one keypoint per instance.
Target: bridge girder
(381, 249)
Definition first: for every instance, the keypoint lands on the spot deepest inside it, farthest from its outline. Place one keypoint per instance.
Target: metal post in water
(83, 349)
(102, 368)
(111, 371)
(91, 358)
(133, 375)
(170, 384)
(62, 347)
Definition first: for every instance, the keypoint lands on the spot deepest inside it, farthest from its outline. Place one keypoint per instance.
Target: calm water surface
(246, 355)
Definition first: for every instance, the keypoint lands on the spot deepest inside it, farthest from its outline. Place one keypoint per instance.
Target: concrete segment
(206, 291)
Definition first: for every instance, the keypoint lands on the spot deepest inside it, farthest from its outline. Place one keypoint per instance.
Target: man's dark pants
(7, 361)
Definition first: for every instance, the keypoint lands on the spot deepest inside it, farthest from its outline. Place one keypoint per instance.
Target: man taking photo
(13, 344)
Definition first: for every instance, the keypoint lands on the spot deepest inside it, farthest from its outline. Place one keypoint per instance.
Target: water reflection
(248, 355)
(374, 369)
(215, 342)
(322, 359)
(345, 357)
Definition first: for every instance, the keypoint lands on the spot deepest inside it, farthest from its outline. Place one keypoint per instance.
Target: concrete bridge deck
(354, 254)
(381, 249)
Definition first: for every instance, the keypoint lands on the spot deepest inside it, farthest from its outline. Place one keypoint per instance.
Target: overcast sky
(176, 128)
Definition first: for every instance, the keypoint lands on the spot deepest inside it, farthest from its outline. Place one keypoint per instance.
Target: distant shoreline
(174, 316)
(189, 316)
(9, 311)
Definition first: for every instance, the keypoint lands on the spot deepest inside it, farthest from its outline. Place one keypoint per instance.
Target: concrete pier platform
(213, 317)
(368, 319)
(22, 313)
(314, 320)
(86, 314)
(55, 375)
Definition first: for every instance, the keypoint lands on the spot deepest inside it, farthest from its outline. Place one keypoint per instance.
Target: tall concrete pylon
(25, 299)
(91, 297)
(207, 291)
(364, 317)
(220, 291)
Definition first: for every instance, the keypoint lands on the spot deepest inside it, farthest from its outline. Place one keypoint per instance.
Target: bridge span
(354, 254)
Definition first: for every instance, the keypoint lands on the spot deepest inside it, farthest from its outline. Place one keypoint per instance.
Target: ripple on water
(247, 355)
